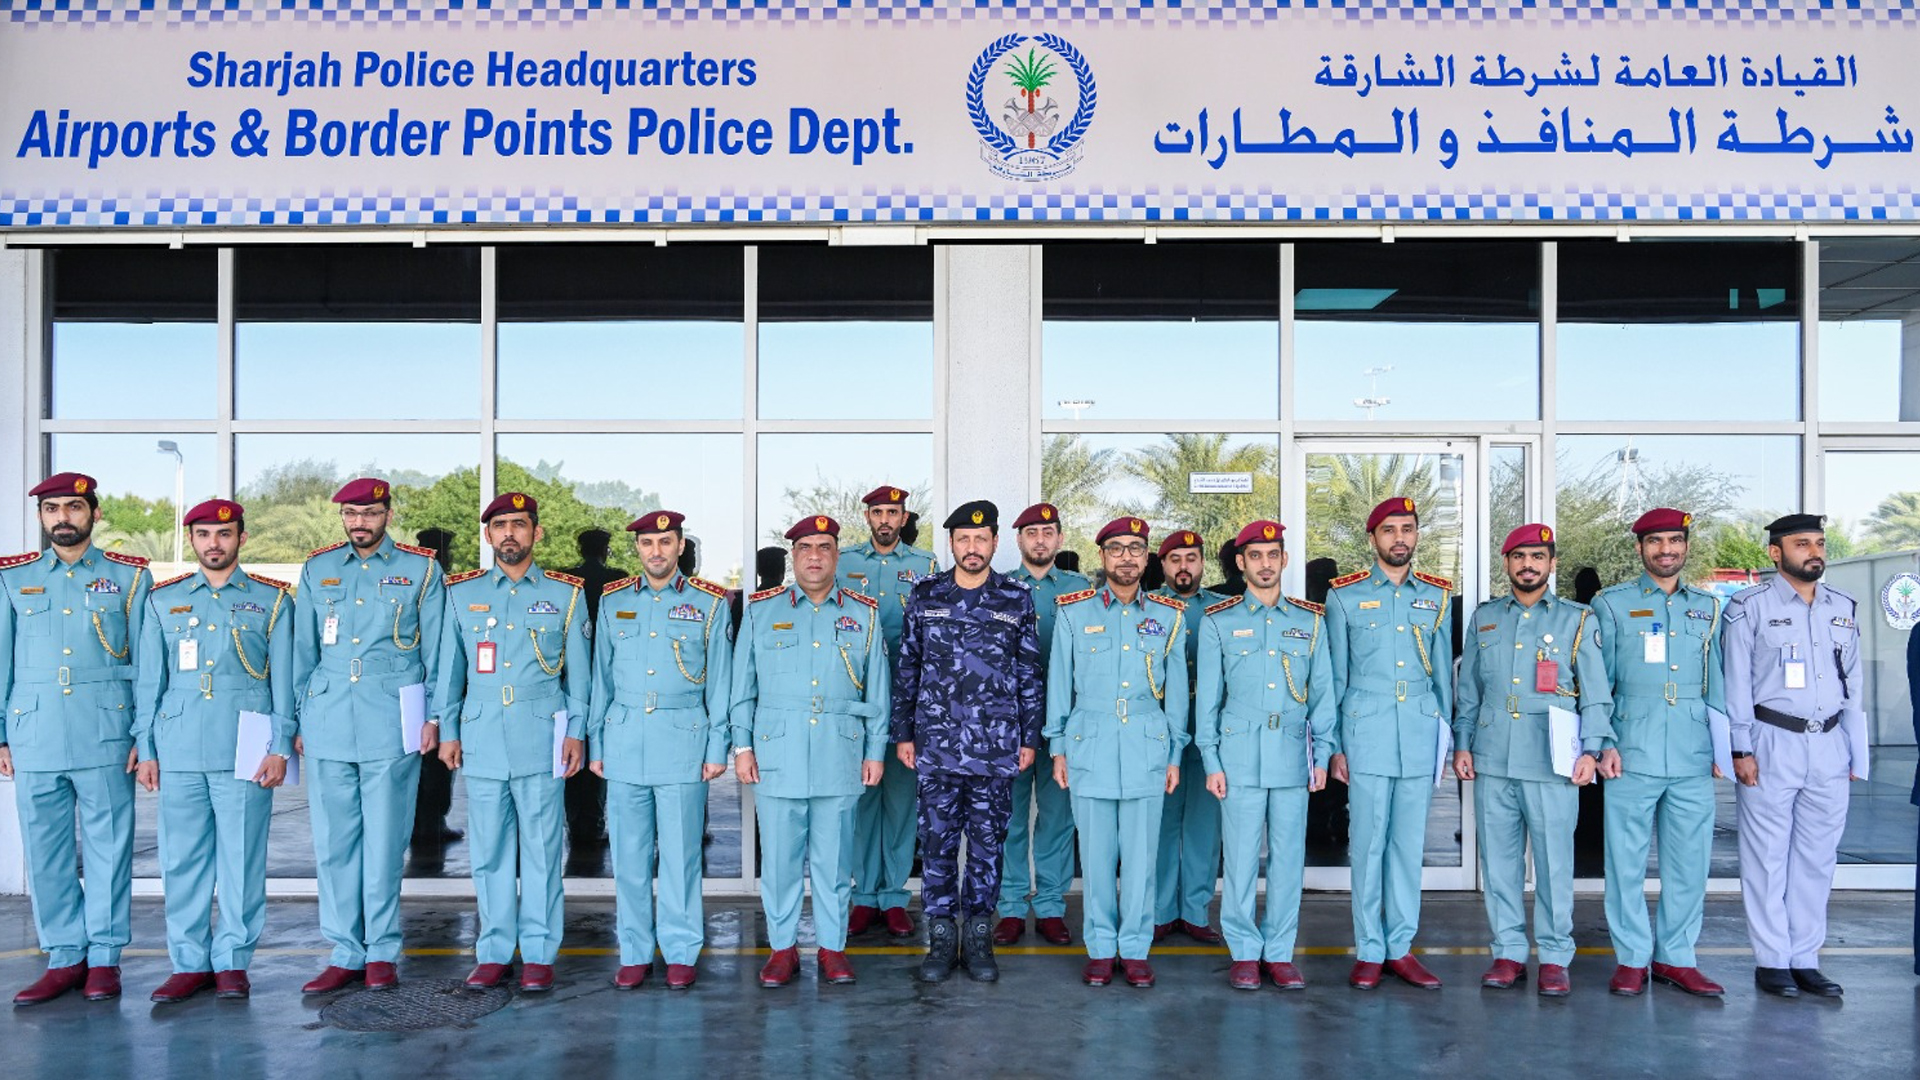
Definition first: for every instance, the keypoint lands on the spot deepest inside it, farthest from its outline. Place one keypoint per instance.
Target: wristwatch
(1738, 754)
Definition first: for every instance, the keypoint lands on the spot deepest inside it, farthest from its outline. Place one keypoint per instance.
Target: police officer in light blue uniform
(809, 710)
(1660, 638)
(1042, 817)
(1526, 653)
(66, 735)
(1117, 706)
(1792, 654)
(1262, 713)
(1190, 822)
(1392, 651)
(662, 670)
(514, 670)
(367, 626)
(885, 569)
(214, 643)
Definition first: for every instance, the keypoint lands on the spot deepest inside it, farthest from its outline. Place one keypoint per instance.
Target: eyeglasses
(1136, 550)
(363, 515)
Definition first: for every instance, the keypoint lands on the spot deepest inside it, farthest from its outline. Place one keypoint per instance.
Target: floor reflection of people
(431, 833)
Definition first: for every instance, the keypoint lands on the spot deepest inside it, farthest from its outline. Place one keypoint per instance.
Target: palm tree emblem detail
(1030, 75)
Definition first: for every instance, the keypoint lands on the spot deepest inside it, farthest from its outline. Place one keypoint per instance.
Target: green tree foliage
(1342, 489)
(1595, 520)
(1893, 526)
(840, 500)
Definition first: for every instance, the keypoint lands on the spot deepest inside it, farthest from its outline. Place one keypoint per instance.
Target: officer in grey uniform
(1792, 654)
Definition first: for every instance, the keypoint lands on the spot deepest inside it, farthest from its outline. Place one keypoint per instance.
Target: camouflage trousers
(952, 806)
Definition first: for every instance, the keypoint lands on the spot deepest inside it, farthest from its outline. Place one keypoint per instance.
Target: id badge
(483, 657)
(330, 630)
(1655, 645)
(189, 654)
(1796, 674)
(1546, 676)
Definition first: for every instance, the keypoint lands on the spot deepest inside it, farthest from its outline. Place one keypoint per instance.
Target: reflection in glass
(1506, 506)
(846, 333)
(287, 482)
(133, 334)
(803, 475)
(1679, 331)
(1869, 308)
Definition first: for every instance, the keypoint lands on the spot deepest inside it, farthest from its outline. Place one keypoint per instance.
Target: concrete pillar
(1910, 367)
(991, 427)
(15, 446)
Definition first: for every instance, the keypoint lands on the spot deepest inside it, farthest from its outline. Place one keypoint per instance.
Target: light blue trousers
(1049, 838)
(1189, 847)
(1513, 814)
(1681, 808)
(806, 838)
(667, 820)
(362, 822)
(1119, 856)
(884, 829)
(1249, 816)
(1387, 837)
(518, 824)
(213, 831)
(75, 924)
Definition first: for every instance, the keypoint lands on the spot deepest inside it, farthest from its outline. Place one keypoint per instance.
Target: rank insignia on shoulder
(175, 580)
(21, 559)
(708, 587)
(1434, 580)
(847, 624)
(464, 575)
(861, 597)
(615, 586)
(1317, 609)
(766, 594)
(1151, 628)
(125, 560)
(1167, 601)
(103, 585)
(1073, 597)
(1229, 602)
(416, 549)
(404, 582)
(272, 583)
(1345, 580)
(564, 579)
(1423, 604)
(324, 550)
(543, 607)
(1296, 632)
(685, 613)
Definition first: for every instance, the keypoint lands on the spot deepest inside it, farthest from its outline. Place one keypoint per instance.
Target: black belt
(1787, 722)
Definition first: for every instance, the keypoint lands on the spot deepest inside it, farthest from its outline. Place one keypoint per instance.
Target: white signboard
(438, 112)
(1220, 483)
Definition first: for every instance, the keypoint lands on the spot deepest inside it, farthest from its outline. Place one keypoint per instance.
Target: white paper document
(1721, 730)
(253, 745)
(1563, 738)
(413, 716)
(1442, 753)
(559, 743)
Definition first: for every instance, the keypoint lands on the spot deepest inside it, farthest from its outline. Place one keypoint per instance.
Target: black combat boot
(943, 950)
(979, 949)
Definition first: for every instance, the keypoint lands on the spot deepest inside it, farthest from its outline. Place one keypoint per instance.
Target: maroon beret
(655, 521)
(1038, 514)
(367, 489)
(1397, 505)
(63, 484)
(1662, 519)
(511, 502)
(214, 512)
(1259, 532)
(1182, 538)
(883, 495)
(1123, 526)
(817, 525)
(1531, 534)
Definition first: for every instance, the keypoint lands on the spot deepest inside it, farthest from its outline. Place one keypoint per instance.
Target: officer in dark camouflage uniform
(967, 709)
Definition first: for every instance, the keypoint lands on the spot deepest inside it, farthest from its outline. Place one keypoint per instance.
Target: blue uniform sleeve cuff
(1210, 761)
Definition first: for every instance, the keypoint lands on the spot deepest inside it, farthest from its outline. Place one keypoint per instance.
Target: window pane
(1869, 312)
(1506, 507)
(1417, 331)
(287, 483)
(1167, 331)
(133, 334)
(846, 333)
(359, 333)
(801, 475)
(620, 332)
(137, 490)
(1659, 330)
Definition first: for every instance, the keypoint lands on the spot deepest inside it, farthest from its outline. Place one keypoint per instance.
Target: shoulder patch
(568, 578)
(21, 559)
(862, 597)
(708, 587)
(1224, 604)
(1168, 601)
(1345, 580)
(274, 582)
(125, 560)
(1741, 596)
(416, 549)
(766, 593)
(324, 550)
(1434, 580)
(158, 585)
(612, 587)
(1073, 597)
(1307, 605)
(464, 575)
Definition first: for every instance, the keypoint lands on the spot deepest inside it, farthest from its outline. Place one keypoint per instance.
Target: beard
(1809, 571)
(66, 534)
(512, 554)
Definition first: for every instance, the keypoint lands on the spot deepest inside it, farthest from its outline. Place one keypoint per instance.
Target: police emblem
(1038, 134)
(979, 516)
(379, 491)
(662, 522)
(1900, 600)
(519, 502)
(225, 513)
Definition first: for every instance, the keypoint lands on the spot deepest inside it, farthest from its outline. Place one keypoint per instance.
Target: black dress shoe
(1810, 980)
(1775, 981)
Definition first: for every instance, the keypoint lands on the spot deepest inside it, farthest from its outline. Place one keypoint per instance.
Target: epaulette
(1345, 580)
(125, 560)
(567, 578)
(862, 597)
(1434, 580)
(1741, 596)
(1307, 605)
(324, 550)
(708, 587)
(764, 594)
(274, 582)
(1224, 604)
(464, 575)
(416, 549)
(21, 559)
(158, 585)
(612, 587)
(1073, 597)
(1168, 601)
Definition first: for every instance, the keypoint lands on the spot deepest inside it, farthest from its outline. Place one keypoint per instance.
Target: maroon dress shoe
(835, 968)
(1053, 931)
(103, 983)
(1688, 979)
(1503, 974)
(536, 978)
(861, 919)
(1365, 975)
(1412, 972)
(780, 967)
(1008, 931)
(1628, 981)
(182, 985)
(334, 978)
(1161, 931)
(382, 975)
(232, 984)
(681, 976)
(631, 976)
(1138, 972)
(1244, 975)
(899, 923)
(1554, 981)
(1286, 976)
(1200, 932)
(54, 983)
(1098, 972)
(487, 976)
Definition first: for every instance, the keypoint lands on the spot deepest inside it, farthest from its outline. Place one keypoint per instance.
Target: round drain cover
(414, 1005)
